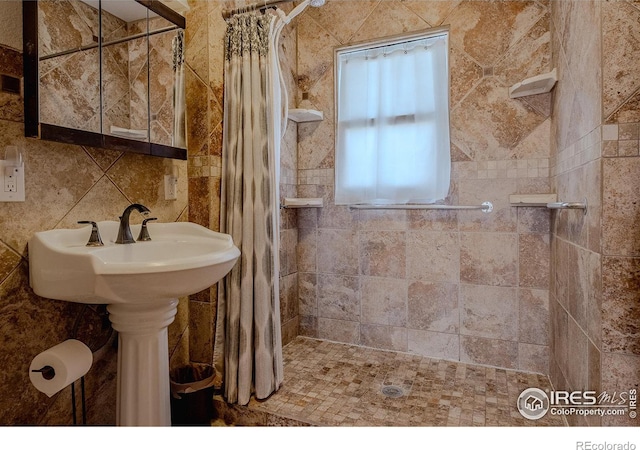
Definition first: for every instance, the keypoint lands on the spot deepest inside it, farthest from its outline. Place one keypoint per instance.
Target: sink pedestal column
(143, 362)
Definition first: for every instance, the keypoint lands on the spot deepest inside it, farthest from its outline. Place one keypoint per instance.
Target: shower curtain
(248, 344)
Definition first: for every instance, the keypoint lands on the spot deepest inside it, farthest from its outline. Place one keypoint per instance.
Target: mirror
(106, 73)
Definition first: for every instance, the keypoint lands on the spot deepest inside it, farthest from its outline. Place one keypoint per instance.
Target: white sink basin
(181, 259)
(141, 283)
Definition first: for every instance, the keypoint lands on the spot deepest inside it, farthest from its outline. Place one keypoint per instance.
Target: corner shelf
(540, 84)
(305, 115)
(532, 199)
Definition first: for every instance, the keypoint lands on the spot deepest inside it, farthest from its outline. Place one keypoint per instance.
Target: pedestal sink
(140, 283)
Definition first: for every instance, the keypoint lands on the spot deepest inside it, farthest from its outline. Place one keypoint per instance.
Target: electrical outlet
(11, 182)
(170, 187)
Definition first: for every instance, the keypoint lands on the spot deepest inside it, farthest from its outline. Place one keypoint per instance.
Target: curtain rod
(485, 207)
(226, 13)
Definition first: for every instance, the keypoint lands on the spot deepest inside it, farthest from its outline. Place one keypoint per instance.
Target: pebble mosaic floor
(333, 384)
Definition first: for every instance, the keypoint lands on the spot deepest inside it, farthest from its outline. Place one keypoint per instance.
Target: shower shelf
(305, 115)
(540, 84)
(532, 199)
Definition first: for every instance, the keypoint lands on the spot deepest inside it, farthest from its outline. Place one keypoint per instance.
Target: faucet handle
(144, 232)
(94, 239)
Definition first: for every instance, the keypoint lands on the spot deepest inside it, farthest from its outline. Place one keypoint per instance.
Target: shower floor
(333, 384)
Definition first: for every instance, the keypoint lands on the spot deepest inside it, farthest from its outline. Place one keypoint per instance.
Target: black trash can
(192, 395)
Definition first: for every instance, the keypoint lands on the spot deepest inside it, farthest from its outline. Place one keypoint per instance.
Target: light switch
(170, 187)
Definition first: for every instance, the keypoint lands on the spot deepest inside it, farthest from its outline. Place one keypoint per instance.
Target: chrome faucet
(124, 232)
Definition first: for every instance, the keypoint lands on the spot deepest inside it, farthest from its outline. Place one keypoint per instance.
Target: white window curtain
(392, 140)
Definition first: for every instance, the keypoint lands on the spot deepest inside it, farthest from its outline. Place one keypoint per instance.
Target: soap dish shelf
(305, 115)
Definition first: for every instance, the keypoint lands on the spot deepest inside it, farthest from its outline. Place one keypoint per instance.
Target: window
(392, 129)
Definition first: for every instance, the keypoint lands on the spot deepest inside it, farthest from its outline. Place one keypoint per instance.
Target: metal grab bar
(569, 205)
(486, 207)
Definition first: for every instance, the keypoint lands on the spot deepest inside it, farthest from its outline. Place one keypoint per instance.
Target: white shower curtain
(248, 344)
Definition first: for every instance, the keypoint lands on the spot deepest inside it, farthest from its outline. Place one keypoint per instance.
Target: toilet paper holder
(48, 364)
(47, 372)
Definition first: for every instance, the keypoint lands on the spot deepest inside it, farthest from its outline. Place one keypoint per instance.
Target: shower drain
(392, 391)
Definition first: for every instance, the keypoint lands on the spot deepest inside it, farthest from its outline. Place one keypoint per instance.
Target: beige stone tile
(434, 13)
(577, 362)
(307, 294)
(433, 307)
(333, 384)
(533, 260)
(486, 30)
(199, 200)
(534, 220)
(620, 376)
(529, 56)
(384, 301)
(536, 144)
(198, 121)
(489, 312)
(629, 111)
(383, 253)
(581, 48)
(337, 251)
(620, 305)
(382, 219)
(593, 173)
(474, 192)
(58, 177)
(141, 179)
(339, 330)
(533, 358)
(488, 258)
(433, 220)
(559, 336)
(434, 345)
(103, 202)
(308, 326)
(465, 74)
(289, 304)
(307, 249)
(533, 316)
(201, 331)
(313, 151)
(620, 209)
(342, 19)
(584, 284)
(288, 256)
(339, 297)
(315, 50)
(620, 49)
(383, 337)
(196, 40)
(9, 260)
(387, 19)
(561, 271)
(433, 256)
(488, 125)
(488, 351)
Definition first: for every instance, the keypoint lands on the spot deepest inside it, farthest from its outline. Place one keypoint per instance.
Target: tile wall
(456, 285)
(595, 276)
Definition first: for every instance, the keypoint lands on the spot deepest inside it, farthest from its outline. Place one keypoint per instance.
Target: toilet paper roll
(70, 360)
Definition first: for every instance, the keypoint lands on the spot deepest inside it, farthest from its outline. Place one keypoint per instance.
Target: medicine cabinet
(106, 74)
